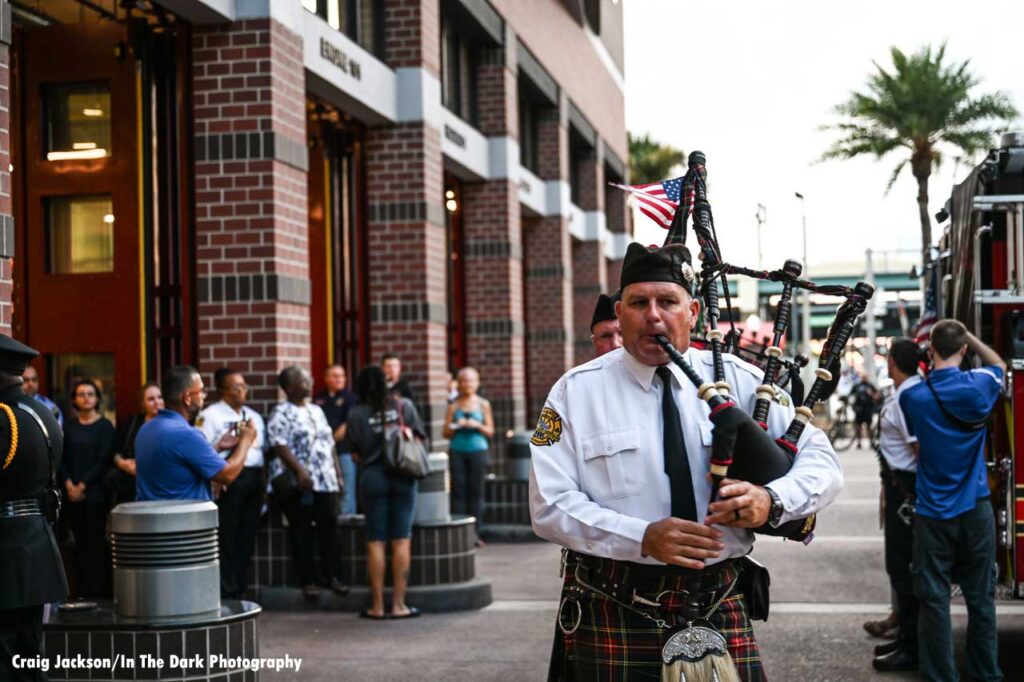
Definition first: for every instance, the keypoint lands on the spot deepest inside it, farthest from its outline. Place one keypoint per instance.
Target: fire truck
(980, 281)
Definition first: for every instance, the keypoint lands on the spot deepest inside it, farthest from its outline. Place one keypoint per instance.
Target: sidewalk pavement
(821, 594)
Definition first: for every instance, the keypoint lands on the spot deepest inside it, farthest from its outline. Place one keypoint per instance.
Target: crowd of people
(316, 458)
(938, 517)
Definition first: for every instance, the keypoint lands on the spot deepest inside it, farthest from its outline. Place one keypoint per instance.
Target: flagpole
(762, 218)
(805, 308)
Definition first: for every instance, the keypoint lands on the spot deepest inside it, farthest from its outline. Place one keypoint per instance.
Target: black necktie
(677, 465)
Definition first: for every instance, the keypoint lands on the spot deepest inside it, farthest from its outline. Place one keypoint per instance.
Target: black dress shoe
(897, 660)
(887, 648)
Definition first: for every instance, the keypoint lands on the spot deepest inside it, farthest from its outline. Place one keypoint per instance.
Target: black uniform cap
(14, 355)
(670, 263)
(605, 309)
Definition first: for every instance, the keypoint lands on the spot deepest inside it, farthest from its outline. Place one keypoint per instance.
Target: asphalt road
(821, 594)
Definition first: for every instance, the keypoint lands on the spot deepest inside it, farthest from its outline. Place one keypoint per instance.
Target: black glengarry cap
(605, 309)
(670, 263)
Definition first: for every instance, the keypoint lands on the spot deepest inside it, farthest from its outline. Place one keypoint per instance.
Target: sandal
(413, 613)
(373, 616)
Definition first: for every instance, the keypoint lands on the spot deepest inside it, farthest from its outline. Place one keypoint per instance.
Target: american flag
(930, 312)
(657, 200)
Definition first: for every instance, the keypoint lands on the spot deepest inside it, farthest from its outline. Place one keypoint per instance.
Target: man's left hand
(752, 502)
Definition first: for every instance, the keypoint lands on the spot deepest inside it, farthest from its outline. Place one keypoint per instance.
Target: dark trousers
(88, 522)
(21, 634)
(324, 512)
(239, 513)
(965, 546)
(899, 543)
(468, 472)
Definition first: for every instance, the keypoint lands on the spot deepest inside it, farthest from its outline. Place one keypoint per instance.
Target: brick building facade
(269, 182)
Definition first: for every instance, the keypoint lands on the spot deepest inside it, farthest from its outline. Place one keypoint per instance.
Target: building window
(77, 121)
(360, 20)
(459, 59)
(530, 107)
(80, 235)
(580, 152)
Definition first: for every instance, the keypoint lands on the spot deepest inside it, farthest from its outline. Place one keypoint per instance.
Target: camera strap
(959, 423)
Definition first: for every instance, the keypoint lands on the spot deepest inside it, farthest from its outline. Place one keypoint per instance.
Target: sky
(761, 78)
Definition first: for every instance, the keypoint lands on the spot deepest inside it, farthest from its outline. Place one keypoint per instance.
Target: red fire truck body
(981, 270)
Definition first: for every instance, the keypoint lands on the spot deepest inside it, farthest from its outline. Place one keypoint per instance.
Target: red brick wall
(549, 301)
(493, 260)
(548, 267)
(251, 196)
(494, 301)
(613, 269)
(589, 281)
(412, 34)
(616, 208)
(408, 259)
(591, 178)
(6, 219)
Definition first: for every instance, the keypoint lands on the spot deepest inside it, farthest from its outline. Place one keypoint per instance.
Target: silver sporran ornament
(697, 653)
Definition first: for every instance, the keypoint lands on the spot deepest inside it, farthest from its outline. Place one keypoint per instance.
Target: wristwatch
(775, 513)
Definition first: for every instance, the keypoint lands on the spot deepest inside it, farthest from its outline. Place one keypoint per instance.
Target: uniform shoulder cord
(14, 435)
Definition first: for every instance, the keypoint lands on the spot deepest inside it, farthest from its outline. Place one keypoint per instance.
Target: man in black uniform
(31, 573)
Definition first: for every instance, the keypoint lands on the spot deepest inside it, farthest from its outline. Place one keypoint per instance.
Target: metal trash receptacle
(166, 558)
(518, 459)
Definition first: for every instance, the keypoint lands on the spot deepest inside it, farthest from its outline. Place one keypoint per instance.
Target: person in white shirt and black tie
(598, 486)
(240, 502)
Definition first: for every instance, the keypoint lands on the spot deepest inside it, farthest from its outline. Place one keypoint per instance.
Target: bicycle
(844, 429)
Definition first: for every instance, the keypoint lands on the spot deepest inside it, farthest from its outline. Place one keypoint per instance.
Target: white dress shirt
(215, 421)
(601, 480)
(895, 439)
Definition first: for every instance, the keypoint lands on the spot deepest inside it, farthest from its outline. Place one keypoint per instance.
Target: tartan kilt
(615, 644)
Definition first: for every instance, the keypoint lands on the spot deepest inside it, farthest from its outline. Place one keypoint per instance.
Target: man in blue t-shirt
(174, 461)
(954, 528)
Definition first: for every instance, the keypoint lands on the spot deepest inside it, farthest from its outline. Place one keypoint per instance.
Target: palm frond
(895, 174)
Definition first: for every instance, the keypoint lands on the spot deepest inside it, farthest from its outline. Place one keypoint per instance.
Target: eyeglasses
(197, 391)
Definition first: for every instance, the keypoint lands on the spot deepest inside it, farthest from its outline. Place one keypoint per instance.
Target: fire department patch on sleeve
(549, 428)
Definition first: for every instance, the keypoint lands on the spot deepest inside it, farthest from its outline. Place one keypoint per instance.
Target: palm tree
(921, 106)
(650, 161)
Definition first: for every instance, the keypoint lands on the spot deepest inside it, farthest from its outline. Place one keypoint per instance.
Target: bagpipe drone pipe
(741, 447)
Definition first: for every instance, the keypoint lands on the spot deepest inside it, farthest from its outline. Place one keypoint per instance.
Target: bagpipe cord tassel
(711, 668)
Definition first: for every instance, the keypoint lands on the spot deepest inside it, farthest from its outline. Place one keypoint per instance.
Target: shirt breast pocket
(706, 434)
(613, 465)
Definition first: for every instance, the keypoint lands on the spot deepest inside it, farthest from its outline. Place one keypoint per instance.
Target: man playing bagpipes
(658, 584)
(645, 541)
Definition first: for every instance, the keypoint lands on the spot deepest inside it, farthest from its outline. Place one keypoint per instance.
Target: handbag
(404, 454)
(285, 486)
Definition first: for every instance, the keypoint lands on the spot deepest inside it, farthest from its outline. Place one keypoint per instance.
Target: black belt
(647, 584)
(12, 508)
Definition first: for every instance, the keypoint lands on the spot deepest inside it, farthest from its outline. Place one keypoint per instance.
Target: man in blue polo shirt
(954, 528)
(174, 461)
